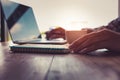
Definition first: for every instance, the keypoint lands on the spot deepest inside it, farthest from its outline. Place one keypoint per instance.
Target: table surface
(32, 66)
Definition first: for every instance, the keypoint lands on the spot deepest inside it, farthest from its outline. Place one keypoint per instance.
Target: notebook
(40, 48)
(22, 24)
(24, 31)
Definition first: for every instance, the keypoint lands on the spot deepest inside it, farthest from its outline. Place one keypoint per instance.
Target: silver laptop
(22, 24)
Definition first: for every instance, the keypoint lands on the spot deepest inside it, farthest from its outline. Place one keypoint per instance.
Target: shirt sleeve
(114, 25)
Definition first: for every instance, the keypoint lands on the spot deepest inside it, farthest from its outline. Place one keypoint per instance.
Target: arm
(114, 25)
(104, 38)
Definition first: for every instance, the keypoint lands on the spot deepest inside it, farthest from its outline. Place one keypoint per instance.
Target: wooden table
(19, 66)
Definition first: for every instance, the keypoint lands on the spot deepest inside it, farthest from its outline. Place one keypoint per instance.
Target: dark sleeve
(114, 25)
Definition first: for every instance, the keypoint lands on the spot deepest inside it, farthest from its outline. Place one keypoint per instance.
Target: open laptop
(24, 30)
(22, 24)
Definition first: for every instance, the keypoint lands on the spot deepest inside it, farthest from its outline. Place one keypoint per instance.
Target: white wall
(119, 6)
(73, 14)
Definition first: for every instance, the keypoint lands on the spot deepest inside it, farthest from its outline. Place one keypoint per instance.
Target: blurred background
(72, 14)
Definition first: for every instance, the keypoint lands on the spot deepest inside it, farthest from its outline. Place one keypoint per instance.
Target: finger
(80, 40)
(58, 31)
(90, 39)
(77, 42)
(92, 47)
(97, 39)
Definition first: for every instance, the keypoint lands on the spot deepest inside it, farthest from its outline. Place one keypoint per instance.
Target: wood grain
(81, 67)
(17, 66)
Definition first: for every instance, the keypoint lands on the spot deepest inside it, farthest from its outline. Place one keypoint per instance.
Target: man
(103, 37)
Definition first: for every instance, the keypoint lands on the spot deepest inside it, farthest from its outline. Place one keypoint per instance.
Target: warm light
(76, 25)
(72, 14)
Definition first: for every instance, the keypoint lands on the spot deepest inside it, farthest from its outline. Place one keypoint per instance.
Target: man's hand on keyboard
(55, 33)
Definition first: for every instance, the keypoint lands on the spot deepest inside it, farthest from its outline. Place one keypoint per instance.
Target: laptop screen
(20, 21)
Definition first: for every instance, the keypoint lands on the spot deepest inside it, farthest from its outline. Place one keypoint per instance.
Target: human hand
(55, 33)
(97, 40)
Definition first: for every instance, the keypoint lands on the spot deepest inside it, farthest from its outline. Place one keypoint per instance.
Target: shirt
(114, 25)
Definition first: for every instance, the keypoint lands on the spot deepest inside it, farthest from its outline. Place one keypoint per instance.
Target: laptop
(24, 31)
(22, 24)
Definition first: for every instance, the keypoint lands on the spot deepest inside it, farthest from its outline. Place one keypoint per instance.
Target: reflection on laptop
(22, 24)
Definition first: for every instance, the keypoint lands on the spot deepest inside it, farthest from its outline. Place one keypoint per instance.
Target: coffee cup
(72, 35)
